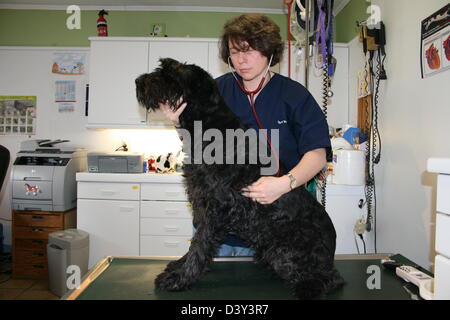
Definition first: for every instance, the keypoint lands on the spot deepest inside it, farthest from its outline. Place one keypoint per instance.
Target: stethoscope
(251, 95)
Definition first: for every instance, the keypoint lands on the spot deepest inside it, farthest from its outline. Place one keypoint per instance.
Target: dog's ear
(169, 64)
(174, 73)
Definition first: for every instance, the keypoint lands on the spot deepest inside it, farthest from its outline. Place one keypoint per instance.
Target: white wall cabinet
(116, 62)
(192, 52)
(112, 94)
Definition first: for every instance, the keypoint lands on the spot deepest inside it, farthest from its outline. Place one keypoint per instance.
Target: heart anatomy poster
(435, 42)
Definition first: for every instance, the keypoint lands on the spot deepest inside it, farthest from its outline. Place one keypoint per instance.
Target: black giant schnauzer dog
(293, 236)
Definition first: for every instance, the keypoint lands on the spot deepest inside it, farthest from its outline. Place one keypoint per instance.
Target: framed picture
(435, 42)
(17, 115)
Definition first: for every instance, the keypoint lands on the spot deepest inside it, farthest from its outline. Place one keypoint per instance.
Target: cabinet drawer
(173, 246)
(33, 232)
(166, 209)
(443, 193)
(35, 270)
(443, 234)
(441, 278)
(31, 256)
(108, 191)
(163, 227)
(31, 244)
(163, 191)
(38, 220)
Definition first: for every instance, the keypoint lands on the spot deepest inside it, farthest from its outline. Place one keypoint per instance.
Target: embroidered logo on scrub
(282, 121)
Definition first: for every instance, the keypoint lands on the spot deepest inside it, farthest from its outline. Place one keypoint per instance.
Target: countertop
(175, 177)
(439, 165)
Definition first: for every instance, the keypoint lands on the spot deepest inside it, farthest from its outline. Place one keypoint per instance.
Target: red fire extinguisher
(102, 27)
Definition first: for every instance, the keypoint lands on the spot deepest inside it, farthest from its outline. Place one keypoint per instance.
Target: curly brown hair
(259, 31)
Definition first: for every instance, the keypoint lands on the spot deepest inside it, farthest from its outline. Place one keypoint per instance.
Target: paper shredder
(67, 248)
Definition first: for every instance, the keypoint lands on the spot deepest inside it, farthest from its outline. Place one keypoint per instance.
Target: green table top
(133, 278)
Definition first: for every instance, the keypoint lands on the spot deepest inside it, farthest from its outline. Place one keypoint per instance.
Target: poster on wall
(17, 115)
(65, 95)
(69, 63)
(435, 42)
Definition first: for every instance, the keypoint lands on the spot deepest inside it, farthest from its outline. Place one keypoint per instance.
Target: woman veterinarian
(250, 44)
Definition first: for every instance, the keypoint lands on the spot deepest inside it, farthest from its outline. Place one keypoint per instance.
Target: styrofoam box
(442, 278)
(443, 193)
(443, 234)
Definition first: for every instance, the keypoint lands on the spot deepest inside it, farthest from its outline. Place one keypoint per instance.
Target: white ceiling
(267, 6)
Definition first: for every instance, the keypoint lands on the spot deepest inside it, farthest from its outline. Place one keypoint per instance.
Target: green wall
(345, 21)
(48, 27)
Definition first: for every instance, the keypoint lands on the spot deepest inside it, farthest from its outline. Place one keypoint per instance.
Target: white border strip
(340, 6)
(145, 8)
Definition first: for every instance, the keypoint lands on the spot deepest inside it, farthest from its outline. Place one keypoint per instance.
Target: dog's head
(161, 86)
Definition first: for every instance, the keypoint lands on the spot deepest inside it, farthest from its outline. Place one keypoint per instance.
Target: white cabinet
(342, 205)
(216, 67)
(112, 95)
(442, 240)
(190, 51)
(166, 220)
(134, 214)
(113, 227)
(116, 63)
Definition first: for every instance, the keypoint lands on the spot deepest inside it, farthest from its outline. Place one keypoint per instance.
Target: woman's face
(250, 64)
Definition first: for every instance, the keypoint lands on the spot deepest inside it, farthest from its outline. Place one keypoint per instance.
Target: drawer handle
(32, 178)
(37, 218)
(171, 211)
(171, 229)
(171, 243)
(172, 193)
(34, 254)
(37, 230)
(126, 209)
(107, 192)
(36, 266)
(37, 242)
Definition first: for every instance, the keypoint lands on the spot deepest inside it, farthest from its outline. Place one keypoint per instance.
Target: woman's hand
(173, 115)
(267, 189)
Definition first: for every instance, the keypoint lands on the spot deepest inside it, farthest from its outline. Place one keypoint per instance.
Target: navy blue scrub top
(282, 104)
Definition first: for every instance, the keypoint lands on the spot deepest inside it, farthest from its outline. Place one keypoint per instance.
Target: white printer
(43, 176)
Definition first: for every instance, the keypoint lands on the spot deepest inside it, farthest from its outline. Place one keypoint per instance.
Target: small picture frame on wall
(17, 115)
(435, 42)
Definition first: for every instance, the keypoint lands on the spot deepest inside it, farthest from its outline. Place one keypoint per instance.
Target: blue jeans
(229, 251)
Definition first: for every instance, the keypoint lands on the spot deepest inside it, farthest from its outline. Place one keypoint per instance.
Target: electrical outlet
(360, 226)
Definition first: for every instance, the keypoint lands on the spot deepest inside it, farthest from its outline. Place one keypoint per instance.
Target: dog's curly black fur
(293, 236)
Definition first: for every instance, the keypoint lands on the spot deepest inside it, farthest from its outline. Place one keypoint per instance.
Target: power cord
(123, 147)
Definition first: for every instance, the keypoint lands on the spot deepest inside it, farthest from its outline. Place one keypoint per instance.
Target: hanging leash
(289, 5)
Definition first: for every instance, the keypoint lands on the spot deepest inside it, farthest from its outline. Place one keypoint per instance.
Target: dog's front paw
(174, 265)
(312, 289)
(170, 281)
